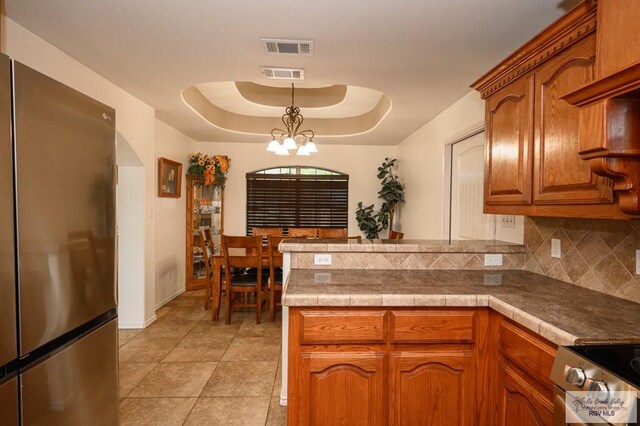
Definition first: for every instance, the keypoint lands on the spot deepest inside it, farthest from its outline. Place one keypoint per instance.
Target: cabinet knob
(574, 376)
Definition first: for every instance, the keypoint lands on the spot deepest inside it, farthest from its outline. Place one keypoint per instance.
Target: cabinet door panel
(520, 402)
(560, 175)
(433, 388)
(342, 389)
(508, 150)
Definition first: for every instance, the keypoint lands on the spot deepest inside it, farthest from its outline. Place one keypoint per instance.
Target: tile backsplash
(596, 254)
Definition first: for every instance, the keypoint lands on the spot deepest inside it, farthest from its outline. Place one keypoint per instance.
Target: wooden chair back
(393, 235)
(303, 232)
(332, 232)
(265, 232)
(275, 275)
(243, 252)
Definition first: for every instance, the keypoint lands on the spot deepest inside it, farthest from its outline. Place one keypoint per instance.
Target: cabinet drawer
(342, 327)
(526, 351)
(432, 326)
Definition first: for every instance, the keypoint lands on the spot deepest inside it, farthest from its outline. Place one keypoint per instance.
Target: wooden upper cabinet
(508, 145)
(561, 176)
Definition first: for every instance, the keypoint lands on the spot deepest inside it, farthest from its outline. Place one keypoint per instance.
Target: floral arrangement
(214, 168)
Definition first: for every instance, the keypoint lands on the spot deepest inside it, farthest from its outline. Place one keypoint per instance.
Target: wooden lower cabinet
(416, 366)
(432, 387)
(521, 402)
(341, 388)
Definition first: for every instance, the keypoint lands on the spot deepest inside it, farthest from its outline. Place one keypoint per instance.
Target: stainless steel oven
(596, 385)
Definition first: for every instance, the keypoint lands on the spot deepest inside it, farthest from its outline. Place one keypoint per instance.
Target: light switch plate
(492, 260)
(556, 250)
(322, 259)
(508, 221)
(637, 262)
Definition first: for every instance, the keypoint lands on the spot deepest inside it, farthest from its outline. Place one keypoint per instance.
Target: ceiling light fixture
(283, 141)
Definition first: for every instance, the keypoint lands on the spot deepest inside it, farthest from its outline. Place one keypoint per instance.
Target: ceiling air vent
(287, 47)
(283, 73)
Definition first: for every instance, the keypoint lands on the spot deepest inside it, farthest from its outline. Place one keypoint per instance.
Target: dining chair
(275, 273)
(393, 235)
(303, 232)
(332, 232)
(244, 252)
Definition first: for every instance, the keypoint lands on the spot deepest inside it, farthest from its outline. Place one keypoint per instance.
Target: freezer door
(8, 330)
(9, 410)
(65, 161)
(77, 386)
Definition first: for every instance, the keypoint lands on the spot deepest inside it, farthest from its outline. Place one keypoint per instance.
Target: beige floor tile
(125, 335)
(186, 313)
(193, 302)
(169, 328)
(253, 349)
(175, 379)
(277, 414)
(242, 379)
(266, 329)
(145, 349)
(199, 349)
(163, 311)
(277, 384)
(213, 329)
(155, 411)
(131, 374)
(228, 411)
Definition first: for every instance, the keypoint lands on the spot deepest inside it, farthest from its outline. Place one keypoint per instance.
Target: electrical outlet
(637, 262)
(322, 259)
(556, 250)
(492, 260)
(508, 221)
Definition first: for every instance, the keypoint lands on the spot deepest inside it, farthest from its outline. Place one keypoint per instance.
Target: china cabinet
(204, 210)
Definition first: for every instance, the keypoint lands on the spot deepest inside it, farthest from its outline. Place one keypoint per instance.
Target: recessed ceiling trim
(319, 97)
(323, 127)
(274, 46)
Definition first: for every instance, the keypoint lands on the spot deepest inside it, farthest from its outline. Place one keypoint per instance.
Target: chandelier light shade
(283, 141)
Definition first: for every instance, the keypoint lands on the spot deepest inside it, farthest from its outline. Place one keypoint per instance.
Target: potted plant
(391, 192)
(213, 168)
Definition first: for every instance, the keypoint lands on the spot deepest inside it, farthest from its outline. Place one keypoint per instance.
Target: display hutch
(204, 210)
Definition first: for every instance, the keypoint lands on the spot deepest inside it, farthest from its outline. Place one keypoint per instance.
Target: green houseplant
(391, 193)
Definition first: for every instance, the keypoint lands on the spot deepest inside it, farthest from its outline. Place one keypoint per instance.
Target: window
(297, 196)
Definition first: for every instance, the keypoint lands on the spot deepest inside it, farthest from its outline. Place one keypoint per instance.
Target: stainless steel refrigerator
(58, 334)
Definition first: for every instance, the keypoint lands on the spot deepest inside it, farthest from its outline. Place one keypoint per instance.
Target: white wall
(135, 122)
(170, 216)
(359, 162)
(422, 165)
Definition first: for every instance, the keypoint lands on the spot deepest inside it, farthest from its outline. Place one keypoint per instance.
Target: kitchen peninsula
(432, 332)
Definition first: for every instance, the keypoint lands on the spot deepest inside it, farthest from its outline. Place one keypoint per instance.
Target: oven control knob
(599, 389)
(574, 376)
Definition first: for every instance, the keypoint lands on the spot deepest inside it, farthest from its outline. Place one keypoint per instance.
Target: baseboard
(137, 325)
(170, 298)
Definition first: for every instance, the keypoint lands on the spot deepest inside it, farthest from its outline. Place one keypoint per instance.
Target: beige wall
(170, 216)
(135, 122)
(359, 162)
(422, 163)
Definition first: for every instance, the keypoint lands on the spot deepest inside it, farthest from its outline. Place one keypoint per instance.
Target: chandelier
(283, 141)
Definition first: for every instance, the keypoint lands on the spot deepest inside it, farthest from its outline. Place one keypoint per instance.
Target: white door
(467, 187)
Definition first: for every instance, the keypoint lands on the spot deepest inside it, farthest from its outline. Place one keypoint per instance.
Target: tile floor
(186, 369)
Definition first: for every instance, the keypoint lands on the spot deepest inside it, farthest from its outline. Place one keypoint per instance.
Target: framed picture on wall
(169, 178)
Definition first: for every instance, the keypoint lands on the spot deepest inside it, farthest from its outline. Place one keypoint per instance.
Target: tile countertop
(404, 246)
(562, 313)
